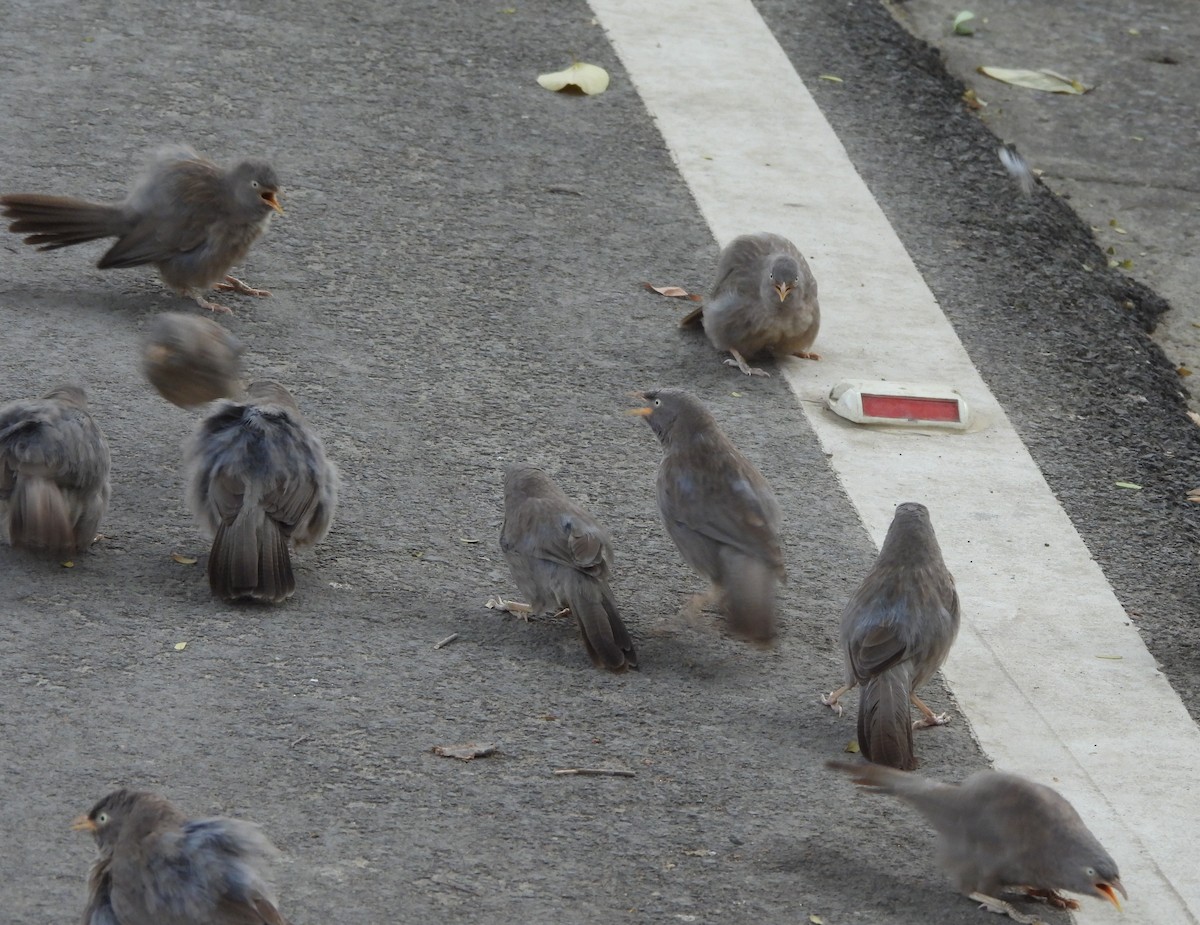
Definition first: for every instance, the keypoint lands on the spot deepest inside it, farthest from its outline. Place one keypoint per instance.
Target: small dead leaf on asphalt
(1195, 420)
(1194, 494)
(964, 23)
(852, 747)
(182, 559)
(1132, 486)
(580, 77)
(1047, 81)
(816, 920)
(971, 98)
(1183, 372)
(468, 751)
(673, 292)
(180, 646)
(832, 78)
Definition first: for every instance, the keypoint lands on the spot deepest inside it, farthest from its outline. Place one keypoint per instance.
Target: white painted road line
(1055, 681)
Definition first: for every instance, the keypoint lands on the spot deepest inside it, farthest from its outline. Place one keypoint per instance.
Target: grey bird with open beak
(259, 479)
(719, 510)
(188, 217)
(560, 558)
(1002, 833)
(192, 360)
(897, 630)
(763, 301)
(157, 867)
(54, 472)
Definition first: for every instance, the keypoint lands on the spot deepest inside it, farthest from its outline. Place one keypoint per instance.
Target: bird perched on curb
(190, 218)
(1000, 832)
(156, 866)
(560, 557)
(764, 300)
(54, 465)
(191, 360)
(718, 509)
(897, 630)
(259, 478)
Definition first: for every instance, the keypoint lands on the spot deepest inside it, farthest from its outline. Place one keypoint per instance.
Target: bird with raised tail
(719, 510)
(157, 867)
(560, 558)
(54, 472)
(896, 631)
(188, 217)
(1002, 833)
(259, 479)
(763, 301)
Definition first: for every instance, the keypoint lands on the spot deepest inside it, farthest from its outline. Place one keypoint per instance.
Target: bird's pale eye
(254, 184)
(101, 818)
(657, 402)
(1091, 872)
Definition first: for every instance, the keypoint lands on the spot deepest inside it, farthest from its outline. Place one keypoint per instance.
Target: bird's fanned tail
(250, 559)
(51, 222)
(885, 734)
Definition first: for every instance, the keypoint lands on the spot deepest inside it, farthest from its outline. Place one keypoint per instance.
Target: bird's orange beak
(783, 290)
(269, 198)
(83, 824)
(1111, 894)
(639, 412)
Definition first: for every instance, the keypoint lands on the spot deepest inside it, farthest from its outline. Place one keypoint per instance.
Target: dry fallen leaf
(1133, 486)
(832, 78)
(1195, 420)
(852, 747)
(1194, 494)
(673, 292)
(587, 79)
(816, 920)
(182, 559)
(1183, 371)
(963, 24)
(1049, 81)
(180, 646)
(465, 752)
(971, 98)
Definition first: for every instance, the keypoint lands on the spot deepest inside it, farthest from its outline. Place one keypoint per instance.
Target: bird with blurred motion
(897, 630)
(719, 510)
(763, 301)
(157, 867)
(54, 472)
(259, 479)
(1002, 833)
(560, 558)
(188, 217)
(191, 360)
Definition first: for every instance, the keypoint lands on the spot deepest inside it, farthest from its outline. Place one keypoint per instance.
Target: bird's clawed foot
(1051, 898)
(233, 284)
(991, 904)
(831, 699)
(806, 356)
(517, 608)
(211, 306)
(740, 362)
(929, 718)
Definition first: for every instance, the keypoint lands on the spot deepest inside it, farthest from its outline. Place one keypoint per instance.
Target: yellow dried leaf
(832, 78)
(579, 77)
(68, 564)
(852, 747)
(1048, 81)
(816, 920)
(180, 646)
(182, 559)
(1195, 420)
(1184, 371)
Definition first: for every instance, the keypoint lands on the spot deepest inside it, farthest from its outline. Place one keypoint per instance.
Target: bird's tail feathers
(250, 559)
(52, 222)
(885, 733)
(39, 517)
(604, 634)
(747, 596)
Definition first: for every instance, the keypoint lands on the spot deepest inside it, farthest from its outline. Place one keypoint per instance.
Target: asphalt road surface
(457, 287)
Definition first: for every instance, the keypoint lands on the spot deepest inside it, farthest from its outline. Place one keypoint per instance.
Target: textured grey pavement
(457, 286)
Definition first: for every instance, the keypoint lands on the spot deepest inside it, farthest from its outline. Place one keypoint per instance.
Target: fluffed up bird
(259, 478)
(54, 466)
(156, 866)
(1002, 833)
(897, 630)
(191, 360)
(764, 300)
(190, 218)
(560, 558)
(719, 510)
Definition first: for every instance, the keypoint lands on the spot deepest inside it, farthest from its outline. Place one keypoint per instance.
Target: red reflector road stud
(904, 404)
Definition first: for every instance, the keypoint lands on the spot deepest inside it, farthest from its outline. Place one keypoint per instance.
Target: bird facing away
(259, 478)
(764, 300)
(54, 466)
(560, 558)
(191, 360)
(1000, 832)
(897, 630)
(157, 867)
(188, 217)
(719, 510)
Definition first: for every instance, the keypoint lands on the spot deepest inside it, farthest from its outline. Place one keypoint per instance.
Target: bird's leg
(991, 904)
(831, 699)
(233, 284)
(1051, 898)
(803, 355)
(740, 362)
(563, 613)
(211, 306)
(698, 602)
(930, 718)
(517, 608)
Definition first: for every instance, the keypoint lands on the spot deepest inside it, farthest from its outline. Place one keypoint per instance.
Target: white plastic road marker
(899, 404)
(1056, 682)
